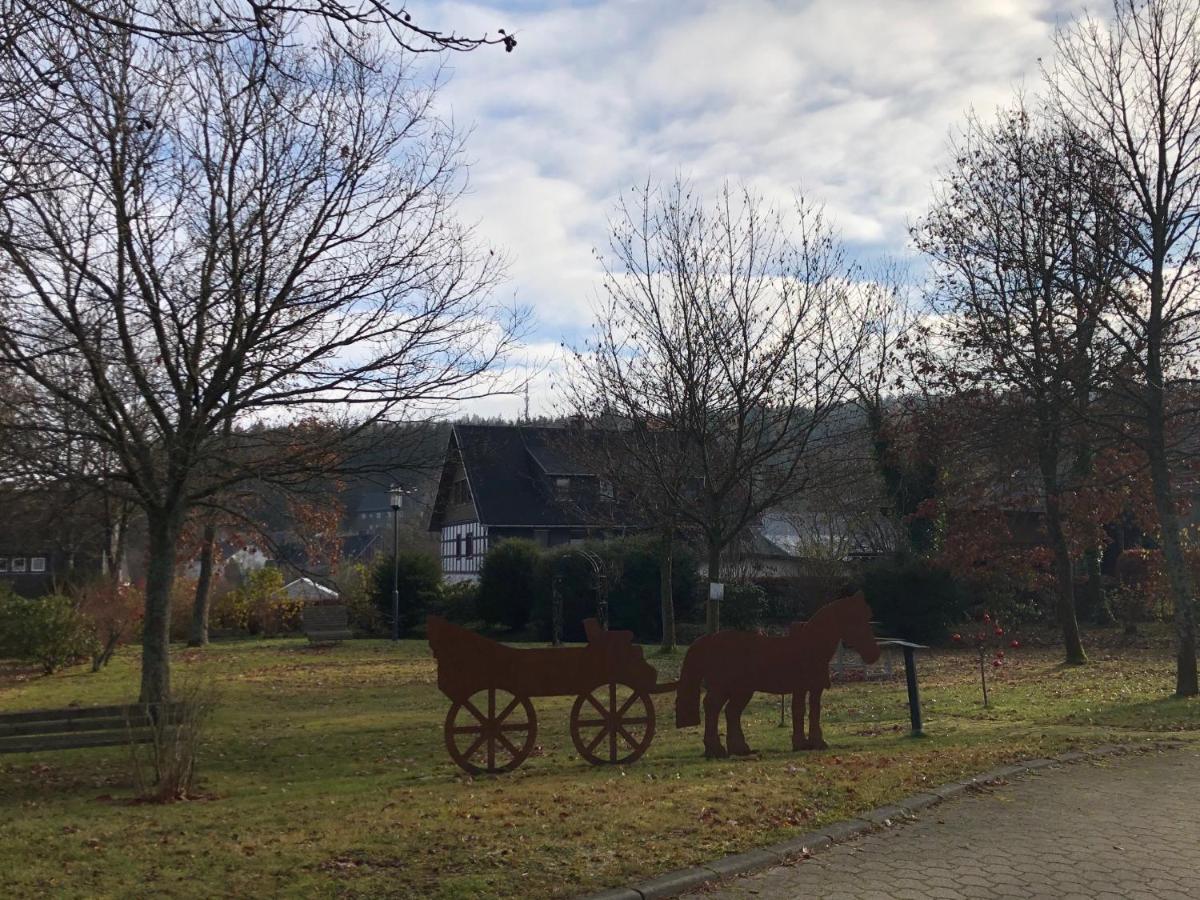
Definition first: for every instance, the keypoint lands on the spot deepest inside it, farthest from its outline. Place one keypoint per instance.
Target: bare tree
(1020, 286)
(216, 21)
(846, 511)
(714, 344)
(893, 398)
(1133, 86)
(217, 233)
(630, 492)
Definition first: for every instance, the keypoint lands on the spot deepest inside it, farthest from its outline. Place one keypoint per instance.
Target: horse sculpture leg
(799, 741)
(713, 748)
(815, 740)
(736, 738)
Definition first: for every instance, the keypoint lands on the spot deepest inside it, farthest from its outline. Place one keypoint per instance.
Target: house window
(606, 489)
(3, 563)
(470, 545)
(18, 564)
(37, 564)
(461, 492)
(562, 487)
(458, 546)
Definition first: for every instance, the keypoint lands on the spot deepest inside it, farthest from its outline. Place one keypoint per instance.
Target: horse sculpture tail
(687, 693)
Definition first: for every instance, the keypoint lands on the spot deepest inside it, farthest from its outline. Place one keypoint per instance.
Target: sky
(851, 101)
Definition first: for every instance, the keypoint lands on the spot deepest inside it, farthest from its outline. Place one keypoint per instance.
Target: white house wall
(464, 567)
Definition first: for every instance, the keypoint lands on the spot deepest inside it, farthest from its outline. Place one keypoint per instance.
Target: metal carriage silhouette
(492, 725)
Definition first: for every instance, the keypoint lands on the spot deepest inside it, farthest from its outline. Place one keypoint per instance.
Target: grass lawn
(326, 776)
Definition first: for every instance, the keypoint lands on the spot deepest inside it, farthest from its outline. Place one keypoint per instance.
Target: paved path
(1123, 828)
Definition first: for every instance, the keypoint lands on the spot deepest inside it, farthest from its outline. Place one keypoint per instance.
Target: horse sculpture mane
(731, 665)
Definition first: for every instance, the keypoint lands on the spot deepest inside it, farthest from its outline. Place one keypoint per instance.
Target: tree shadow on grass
(1167, 714)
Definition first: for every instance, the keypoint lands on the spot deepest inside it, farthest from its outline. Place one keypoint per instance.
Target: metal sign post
(910, 678)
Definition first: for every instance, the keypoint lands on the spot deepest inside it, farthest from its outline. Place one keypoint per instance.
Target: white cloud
(850, 100)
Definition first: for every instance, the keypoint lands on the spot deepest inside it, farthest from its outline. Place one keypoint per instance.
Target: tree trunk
(666, 591)
(1064, 572)
(156, 628)
(1178, 576)
(198, 635)
(113, 558)
(712, 611)
(1064, 575)
(1084, 468)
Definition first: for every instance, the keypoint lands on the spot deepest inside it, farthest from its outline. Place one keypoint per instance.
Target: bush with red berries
(988, 640)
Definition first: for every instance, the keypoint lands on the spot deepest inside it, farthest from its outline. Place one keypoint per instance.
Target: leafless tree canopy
(28, 69)
(223, 20)
(1133, 86)
(201, 240)
(1023, 248)
(718, 344)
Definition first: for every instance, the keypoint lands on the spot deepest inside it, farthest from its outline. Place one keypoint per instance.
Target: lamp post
(395, 500)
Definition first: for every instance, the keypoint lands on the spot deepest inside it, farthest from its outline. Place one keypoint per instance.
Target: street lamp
(395, 500)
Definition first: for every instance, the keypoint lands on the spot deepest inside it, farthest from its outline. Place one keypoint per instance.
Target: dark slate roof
(544, 447)
(755, 543)
(511, 471)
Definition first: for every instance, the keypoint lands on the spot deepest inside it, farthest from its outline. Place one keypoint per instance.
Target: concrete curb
(674, 883)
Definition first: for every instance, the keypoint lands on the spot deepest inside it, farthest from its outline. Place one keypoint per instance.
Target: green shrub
(259, 606)
(420, 585)
(459, 602)
(47, 630)
(229, 611)
(183, 600)
(632, 578)
(913, 600)
(794, 598)
(507, 582)
(576, 583)
(634, 601)
(356, 587)
(744, 607)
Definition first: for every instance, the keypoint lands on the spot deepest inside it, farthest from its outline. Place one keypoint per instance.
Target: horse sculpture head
(854, 619)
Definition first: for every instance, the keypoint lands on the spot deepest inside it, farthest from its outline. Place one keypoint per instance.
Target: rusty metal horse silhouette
(732, 665)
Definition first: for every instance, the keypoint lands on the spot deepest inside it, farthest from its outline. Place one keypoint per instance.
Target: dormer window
(461, 492)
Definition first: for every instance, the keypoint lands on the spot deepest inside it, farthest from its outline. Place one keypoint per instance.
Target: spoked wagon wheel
(613, 724)
(491, 731)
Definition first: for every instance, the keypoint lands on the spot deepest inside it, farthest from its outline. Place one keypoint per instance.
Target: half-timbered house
(519, 481)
